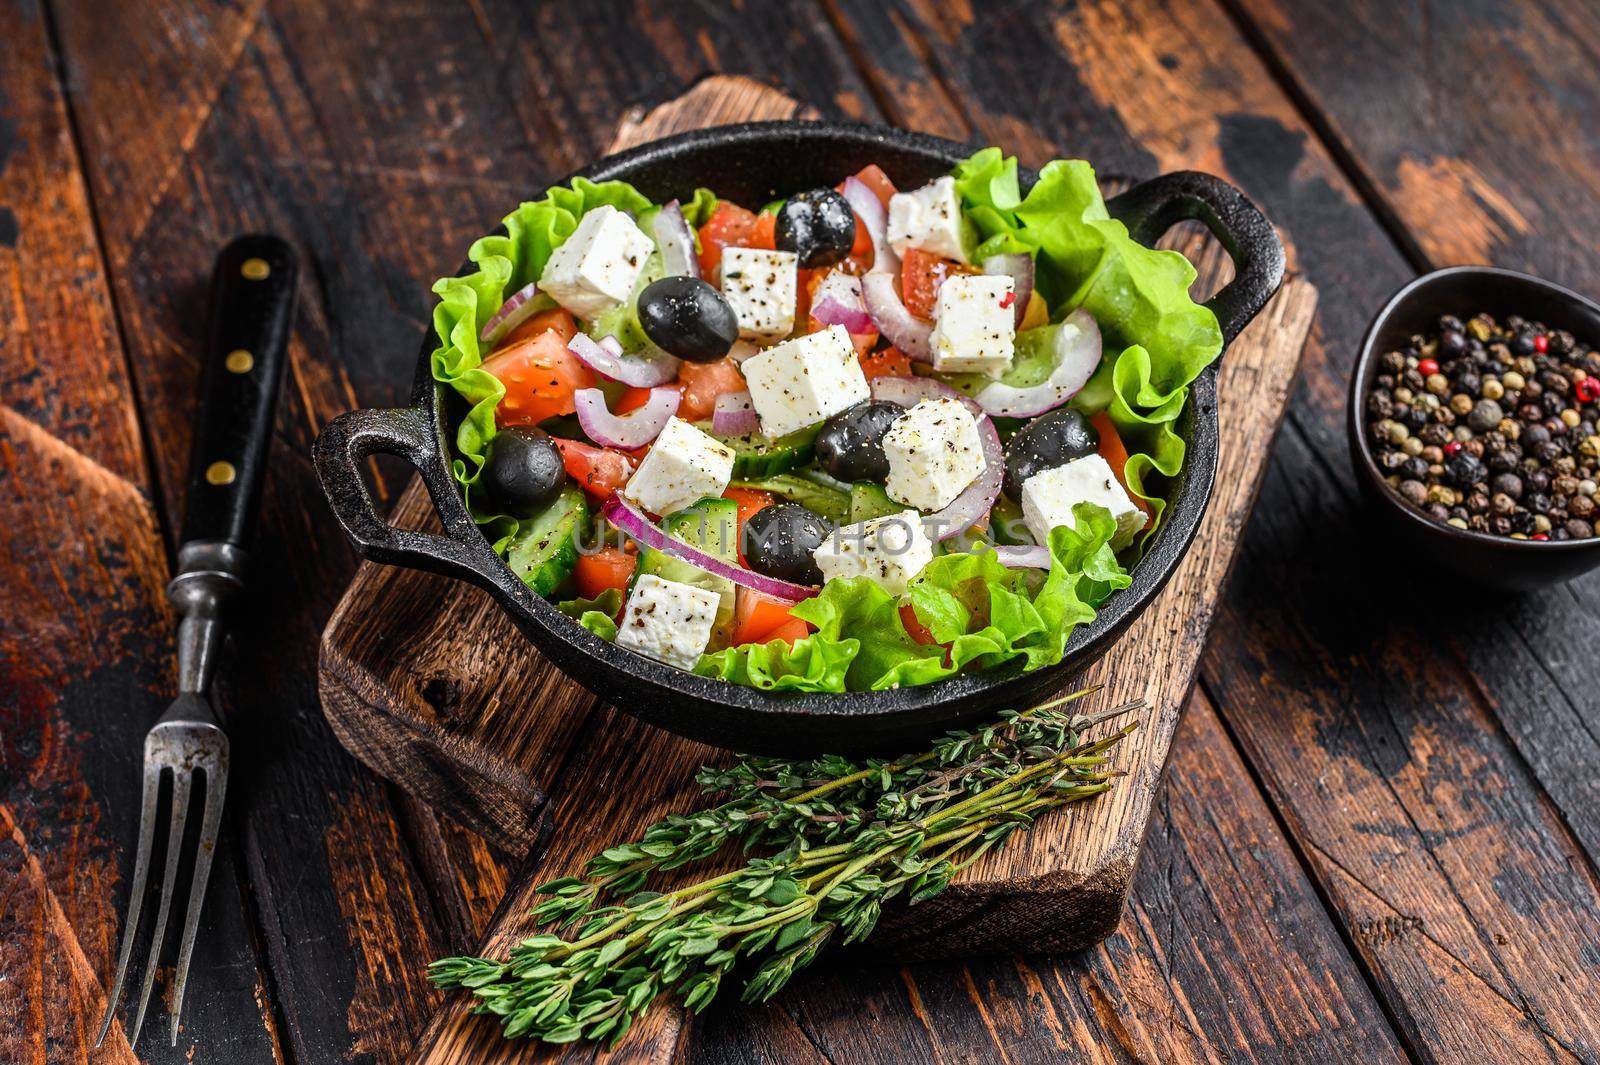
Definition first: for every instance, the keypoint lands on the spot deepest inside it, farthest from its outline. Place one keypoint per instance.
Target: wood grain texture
(1501, 165)
(384, 137)
(1214, 960)
(307, 129)
(85, 632)
(1304, 665)
(1076, 876)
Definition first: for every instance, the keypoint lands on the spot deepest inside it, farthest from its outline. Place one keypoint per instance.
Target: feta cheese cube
(934, 452)
(596, 268)
(891, 550)
(929, 218)
(804, 380)
(1049, 496)
(975, 328)
(684, 466)
(668, 621)
(760, 286)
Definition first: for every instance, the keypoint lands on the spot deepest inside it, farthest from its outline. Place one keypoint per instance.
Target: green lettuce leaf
(1161, 337)
(505, 262)
(984, 612)
(598, 615)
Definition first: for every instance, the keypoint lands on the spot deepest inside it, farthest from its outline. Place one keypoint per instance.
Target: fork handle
(248, 323)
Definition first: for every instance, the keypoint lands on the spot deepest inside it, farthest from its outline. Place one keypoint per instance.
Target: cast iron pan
(753, 163)
(1479, 558)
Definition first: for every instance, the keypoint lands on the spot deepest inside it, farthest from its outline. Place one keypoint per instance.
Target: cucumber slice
(755, 456)
(622, 321)
(713, 526)
(1006, 524)
(868, 500)
(826, 502)
(545, 549)
(1032, 362)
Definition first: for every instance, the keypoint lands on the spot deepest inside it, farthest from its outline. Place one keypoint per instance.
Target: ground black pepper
(1491, 425)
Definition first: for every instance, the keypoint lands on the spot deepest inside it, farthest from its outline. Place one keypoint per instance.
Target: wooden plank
(1215, 960)
(1506, 174)
(1475, 130)
(307, 125)
(85, 635)
(1175, 82)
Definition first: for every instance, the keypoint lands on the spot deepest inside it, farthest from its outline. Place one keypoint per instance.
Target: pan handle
(343, 447)
(1152, 207)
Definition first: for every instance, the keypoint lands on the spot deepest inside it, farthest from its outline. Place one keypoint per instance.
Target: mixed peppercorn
(1492, 426)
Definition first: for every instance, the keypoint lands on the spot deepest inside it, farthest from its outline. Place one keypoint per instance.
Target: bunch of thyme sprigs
(847, 838)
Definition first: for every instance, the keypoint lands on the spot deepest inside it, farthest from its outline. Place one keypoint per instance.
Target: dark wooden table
(1379, 833)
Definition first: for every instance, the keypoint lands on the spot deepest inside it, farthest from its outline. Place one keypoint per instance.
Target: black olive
(523, 470)
(686, 317)
(818, 226)
(850, 445)
(1048, 441)
(779, 541)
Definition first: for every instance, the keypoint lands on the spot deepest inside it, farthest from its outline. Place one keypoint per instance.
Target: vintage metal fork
(249, 320)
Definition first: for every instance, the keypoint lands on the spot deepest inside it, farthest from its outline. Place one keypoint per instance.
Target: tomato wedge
(790, 631)
(749, 500)
(765, 234)
(555, 318)
(633, 399)
(756, 615)
(607, 567)
(1116, 455)
(599, 471)
(873, 177)
(540, 375)
(915, 628)
(702, 382)
(730, 226)
(921, 274)
(890, 362)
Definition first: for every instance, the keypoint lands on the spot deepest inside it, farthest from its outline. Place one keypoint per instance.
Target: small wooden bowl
(1484, 559)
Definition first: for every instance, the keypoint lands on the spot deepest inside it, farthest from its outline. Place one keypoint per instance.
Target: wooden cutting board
(427, 682)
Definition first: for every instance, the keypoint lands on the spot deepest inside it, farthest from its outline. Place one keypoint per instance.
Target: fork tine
(180, 812)
(141, 872)
(216, 787)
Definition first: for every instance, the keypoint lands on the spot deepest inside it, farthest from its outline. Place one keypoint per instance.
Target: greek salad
(857, 438)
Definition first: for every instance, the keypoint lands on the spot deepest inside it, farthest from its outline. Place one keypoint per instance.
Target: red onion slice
(1019, 267)
(870, 210)
(905, 331)
(909, 391)
(742, 350)
(734, 415)
(607, 360)
(975, 500)
(838, 301)
(518, 308)
(973, 504)
(1076, 354)
(676, 242)
(633, 521)
(626, 431)
(1014, 556)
